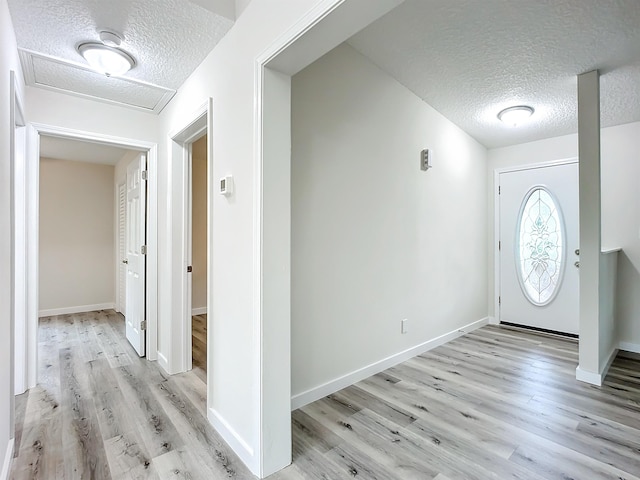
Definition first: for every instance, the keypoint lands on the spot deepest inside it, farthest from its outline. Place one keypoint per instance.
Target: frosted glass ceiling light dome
(106, 57)
(514, 116)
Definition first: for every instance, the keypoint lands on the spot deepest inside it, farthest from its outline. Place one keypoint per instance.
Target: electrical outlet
(404, 325)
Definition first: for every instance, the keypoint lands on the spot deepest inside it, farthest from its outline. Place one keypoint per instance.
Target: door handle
(125, 261)
(577, 264)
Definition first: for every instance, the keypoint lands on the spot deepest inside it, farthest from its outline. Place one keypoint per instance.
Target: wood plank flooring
(199, 345)
(101, 412)
(497, 403)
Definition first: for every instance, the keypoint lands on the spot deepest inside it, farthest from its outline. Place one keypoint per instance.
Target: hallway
(99, 411)
(495, 403)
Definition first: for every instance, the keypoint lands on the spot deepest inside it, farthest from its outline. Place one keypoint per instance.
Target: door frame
(199, 123)
(34, 130)
(324, 27)
(496, 223)
(17, 383)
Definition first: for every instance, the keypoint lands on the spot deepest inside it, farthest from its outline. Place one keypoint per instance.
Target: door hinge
(143, 249)
(498, 189)
(143, 325)
(189, 269)
(145, 175)
(499, 245)
(499, 300)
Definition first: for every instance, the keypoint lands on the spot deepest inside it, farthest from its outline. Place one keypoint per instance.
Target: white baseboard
(316, 393)
(493, 321)
(235, 441)
(163, 362)
(8, 459)
(199, 311)
(629, 347)
(605, 369)
(588, 377)
(78, 309)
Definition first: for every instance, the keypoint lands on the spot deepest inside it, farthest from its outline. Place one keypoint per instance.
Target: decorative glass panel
(540, 252)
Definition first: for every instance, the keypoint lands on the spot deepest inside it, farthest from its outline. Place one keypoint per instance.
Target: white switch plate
(404, 325)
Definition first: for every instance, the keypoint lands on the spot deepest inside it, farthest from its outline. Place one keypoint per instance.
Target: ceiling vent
(80, 80)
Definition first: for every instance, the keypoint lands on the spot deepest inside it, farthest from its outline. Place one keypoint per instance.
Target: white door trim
(328, 24)
(496, 222)
(17, 207)
(33, 194)
(180, 356)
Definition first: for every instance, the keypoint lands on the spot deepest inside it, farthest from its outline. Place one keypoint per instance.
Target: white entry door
(539, 234)
(135, 254)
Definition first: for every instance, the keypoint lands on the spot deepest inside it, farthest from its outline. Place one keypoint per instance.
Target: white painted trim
(629, 347)
(233, 439)
(199, 311)
(32, 212)
(33, 193)
(605, 369)
(496, 250)
(493, 321)
(8, 459)
(180, 142)
(152, 253)
(76, 309)
(533, 166)
(18, 224)
(588, 377)
(324, 27)
(333, 386)
(163, 362)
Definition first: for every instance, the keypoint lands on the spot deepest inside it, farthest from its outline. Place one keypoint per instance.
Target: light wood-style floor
(199, 345)
(497, 403)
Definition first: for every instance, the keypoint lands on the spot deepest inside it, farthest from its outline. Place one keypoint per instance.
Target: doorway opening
(197, 221)
(80, 251)
(37, 134)
(192, 171)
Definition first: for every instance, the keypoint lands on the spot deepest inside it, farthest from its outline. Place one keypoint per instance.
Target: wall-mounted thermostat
(425, 159)
(226, 185)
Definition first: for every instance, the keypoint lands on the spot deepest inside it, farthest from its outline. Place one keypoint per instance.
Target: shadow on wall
(628, 297)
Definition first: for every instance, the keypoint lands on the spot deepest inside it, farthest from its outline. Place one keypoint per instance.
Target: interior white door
(122, 250)
(135, 256)
(539, 235)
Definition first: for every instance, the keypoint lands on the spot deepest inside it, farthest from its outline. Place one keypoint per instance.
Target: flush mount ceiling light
(513, 116)
(106, 57)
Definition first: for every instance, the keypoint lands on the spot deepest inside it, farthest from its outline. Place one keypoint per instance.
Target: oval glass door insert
(540, 246)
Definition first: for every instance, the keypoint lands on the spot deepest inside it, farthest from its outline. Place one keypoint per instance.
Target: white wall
(62, 110)
(76, 236)
(375, 239)
(8, 61)
(199, 224)
(620, 209)
(227, 75)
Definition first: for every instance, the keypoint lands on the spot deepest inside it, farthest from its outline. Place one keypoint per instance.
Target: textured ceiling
(168, 39)
(469, 59)
(79, 151)
(62, 76)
